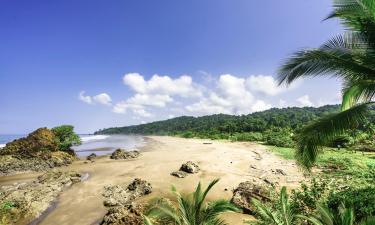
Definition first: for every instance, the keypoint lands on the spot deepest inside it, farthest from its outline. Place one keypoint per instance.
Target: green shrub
(362, 200)
(304, 200)
(66, 137)
(247, 136)
(279, 137)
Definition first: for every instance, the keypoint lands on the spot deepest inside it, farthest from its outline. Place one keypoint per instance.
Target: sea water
(98, 144)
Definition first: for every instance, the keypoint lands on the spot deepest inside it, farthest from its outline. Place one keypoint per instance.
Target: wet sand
(82, 204)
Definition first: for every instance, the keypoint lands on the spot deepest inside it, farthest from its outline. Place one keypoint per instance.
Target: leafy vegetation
(191, 209)
(349, 57)
(274, 127)
(66, 137)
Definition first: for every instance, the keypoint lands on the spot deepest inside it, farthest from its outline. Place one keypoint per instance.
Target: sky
(97, 64)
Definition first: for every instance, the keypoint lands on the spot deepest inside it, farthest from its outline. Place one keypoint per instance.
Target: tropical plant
(343, 216)
(350, 57)
(282, 214)
(66, 137)
(190, 210)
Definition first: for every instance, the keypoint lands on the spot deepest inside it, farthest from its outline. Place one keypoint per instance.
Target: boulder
(122, 154)
(179, 174)
(27, 201)
(120, 200)
(127, 215)
(189, 167)
(248, 190)
(91, 156)
(38, 143)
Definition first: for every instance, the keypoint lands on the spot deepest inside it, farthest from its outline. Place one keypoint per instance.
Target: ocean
(98, 144)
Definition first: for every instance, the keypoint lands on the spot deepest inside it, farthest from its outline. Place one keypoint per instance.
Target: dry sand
(231, 162)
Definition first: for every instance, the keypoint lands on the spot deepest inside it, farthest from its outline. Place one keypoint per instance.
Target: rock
(179, 174)
(91, 156)
(120, 200)
(10, 164)
(29, 200)
(248, 190)
(279, 171)
(122, 154)
(128, 215)
(189, 167)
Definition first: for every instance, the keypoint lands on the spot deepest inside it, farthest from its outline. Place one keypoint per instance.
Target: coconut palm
(349, 57)
(190, 210)
(282, 215)
(344, 216)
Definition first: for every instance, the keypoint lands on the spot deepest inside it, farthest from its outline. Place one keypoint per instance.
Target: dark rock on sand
(91, 156)
(39, 151)
(27, 201)
(10, 164)
(189, 167)
(179, 174)
(120, 200)
(122, 154)
(248, 190)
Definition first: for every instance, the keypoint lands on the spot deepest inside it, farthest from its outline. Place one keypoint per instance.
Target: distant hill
(292, 117)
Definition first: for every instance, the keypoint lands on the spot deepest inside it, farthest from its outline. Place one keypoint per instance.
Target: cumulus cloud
(138, 110)
(163, 85)
(264, 84)
(85, 98)
(102, 98)
(230, 97)
(150, 100)
(305, 101)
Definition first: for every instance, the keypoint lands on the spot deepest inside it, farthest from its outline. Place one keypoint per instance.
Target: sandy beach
(82, 204)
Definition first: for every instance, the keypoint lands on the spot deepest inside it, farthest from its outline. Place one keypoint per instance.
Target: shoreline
(232, 162)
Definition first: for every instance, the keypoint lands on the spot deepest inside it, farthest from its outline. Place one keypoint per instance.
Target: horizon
(124, 63)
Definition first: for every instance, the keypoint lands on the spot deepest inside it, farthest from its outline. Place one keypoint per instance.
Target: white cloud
(230, 97)
(150, 100)
(103, 98)
(264, 84)
(305, 101)
(162, 85)
(122, 107)
(84, 98)
(260, 105)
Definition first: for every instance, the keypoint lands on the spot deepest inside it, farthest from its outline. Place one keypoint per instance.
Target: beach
(231, 162)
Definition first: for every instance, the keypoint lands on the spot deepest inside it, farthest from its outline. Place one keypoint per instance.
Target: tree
(283, 214)
(350, 57)
(191, 209)
(66, 137)
(344, 216)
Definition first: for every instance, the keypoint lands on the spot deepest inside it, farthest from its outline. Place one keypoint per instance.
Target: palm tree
(344, 216)
(282, 215)
(350, 57)
(191, 210)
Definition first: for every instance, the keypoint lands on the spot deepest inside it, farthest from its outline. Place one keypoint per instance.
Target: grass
(359, 166)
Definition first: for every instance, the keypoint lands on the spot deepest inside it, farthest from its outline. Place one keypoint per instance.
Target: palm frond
(368, 221)
(357, 92)
(317, 134)
(338, 62)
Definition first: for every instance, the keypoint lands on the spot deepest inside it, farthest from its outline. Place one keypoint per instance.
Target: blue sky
(96, 64)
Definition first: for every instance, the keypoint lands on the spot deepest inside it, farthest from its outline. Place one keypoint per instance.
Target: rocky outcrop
(120, 200)
(185, 169)
(189, 167)
(91, 157)
(248, 190)
(179, 174)
(10, 164)
(122, 154)
(39, 151)
(27, 201)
